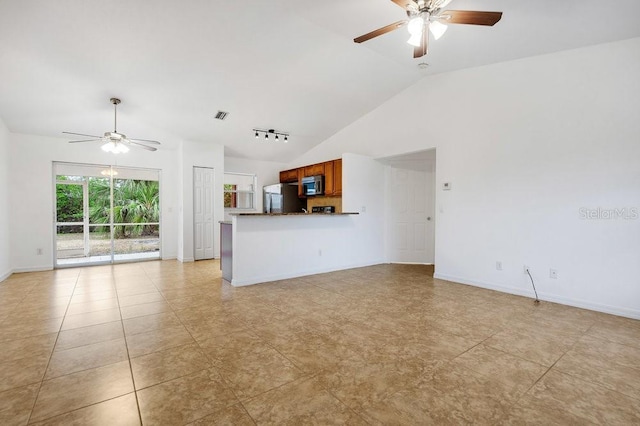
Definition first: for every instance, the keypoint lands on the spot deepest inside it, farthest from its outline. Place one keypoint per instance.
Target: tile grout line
(126, 344)
(44, 374)
(173, 347)
(584, 379)
(552, 365)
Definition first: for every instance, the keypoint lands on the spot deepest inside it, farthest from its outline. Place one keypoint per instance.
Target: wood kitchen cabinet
(289, 176)
(337, 177)
(300, 174)
(331, 170)
(314, 170)
(329, 185)
(333, 178)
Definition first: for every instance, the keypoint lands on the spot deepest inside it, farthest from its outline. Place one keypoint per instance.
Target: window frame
(234, 193)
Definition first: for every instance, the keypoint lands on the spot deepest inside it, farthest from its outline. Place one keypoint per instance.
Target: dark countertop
(294, 214)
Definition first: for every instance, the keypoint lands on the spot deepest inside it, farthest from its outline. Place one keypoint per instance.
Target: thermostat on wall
(446, 186)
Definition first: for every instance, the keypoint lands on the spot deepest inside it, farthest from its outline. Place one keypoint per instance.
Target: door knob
(428, 217)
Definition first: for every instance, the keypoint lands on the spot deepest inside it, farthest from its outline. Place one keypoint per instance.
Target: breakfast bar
(263, 247)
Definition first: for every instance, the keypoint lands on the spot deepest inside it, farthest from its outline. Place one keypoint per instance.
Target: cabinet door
(300, 173)
(337, 177)
(329, 186)
(288, 176)
(314, 170)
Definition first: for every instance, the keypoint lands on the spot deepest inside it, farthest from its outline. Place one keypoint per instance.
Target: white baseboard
(285, 276)
(6, 275)
(169, 257)
(33, 269)
(578, 303)
(186, 259)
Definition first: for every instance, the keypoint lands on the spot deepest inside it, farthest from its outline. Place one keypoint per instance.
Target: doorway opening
(105, 214)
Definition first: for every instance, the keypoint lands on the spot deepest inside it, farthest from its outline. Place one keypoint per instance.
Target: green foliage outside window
(134, 201)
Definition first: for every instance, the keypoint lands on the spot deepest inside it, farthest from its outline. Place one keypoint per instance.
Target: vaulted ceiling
(290, 65)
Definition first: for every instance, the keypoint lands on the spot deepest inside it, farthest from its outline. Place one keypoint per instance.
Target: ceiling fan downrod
(115, 102)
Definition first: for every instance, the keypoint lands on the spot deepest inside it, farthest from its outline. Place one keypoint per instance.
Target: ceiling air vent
(221, 115)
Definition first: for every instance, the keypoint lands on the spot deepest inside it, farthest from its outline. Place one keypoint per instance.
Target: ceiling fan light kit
(115, 147)
(415, 28)
(424, 16)
(114, 142)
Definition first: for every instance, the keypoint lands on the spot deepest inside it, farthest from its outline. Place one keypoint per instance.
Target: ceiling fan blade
(82, 134)
(148, 148)
(422, 50)
(406, 4)
(145, 140)
(85, 140)
(380, 31)
(469, 17)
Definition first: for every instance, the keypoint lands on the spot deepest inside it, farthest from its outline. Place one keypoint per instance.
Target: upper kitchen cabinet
(329, 185)
(314, 170)
(300, 174)
(289, 176)
(333, 178)
(337, 177)
(331, 170)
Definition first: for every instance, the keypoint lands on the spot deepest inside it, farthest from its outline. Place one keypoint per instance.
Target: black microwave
(312, 185)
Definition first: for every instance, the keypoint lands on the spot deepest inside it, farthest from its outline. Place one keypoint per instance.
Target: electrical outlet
(319, 252)
(553, 273)
(525, 269)
(39, 252)
(499, 265)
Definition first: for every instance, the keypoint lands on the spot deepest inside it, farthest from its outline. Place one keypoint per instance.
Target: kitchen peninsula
(267, 247)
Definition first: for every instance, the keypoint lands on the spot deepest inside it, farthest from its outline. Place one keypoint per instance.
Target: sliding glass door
(72, 230)
(106, 214)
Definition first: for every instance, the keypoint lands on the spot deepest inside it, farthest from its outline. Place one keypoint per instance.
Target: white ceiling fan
(116, 142)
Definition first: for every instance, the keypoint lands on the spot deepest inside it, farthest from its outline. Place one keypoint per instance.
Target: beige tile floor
(169, 343)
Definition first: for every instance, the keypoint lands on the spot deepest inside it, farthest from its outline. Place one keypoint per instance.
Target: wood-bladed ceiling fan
(427, 15)
(116, 142)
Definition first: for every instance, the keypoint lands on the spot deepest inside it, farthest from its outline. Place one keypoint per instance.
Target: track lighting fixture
(273, 132)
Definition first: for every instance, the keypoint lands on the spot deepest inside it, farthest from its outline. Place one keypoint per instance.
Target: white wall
(526, 144)
(196, 154)
(5, 224)
(267, 172)
(32, 199)
(363, 191)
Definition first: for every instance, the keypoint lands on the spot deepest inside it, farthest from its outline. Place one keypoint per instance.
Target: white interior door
(203, 226)
(411, 225)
